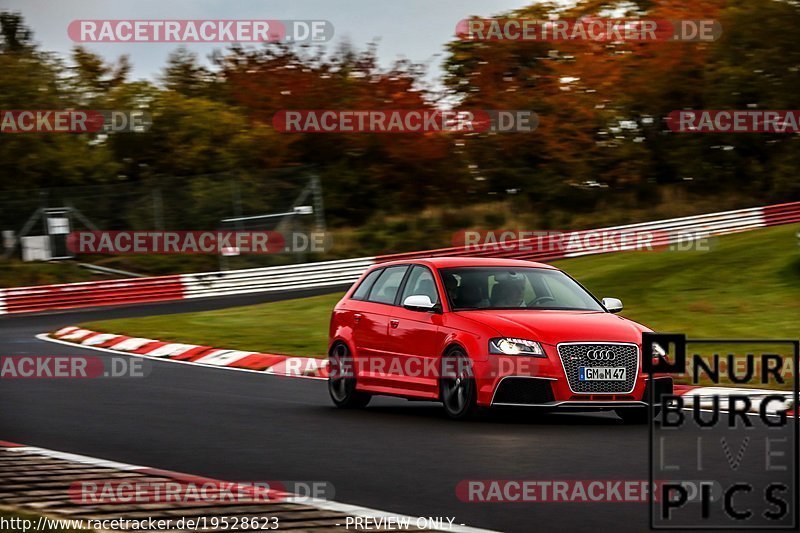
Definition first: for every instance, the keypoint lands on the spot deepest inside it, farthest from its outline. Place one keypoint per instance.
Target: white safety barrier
(343, 272)
(280, 278)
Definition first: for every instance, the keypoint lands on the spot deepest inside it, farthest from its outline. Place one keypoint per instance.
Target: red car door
(416, 337)
(371, 328)
(350, 314)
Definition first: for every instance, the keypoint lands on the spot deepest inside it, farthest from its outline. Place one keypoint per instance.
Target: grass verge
(291, 327)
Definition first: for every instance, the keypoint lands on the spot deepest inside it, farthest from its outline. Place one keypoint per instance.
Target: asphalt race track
(398, 456)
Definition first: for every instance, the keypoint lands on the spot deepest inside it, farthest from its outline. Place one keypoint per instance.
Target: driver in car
(509, 293)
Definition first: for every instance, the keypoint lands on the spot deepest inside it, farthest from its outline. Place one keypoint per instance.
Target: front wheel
(342, 379)
(457, 386)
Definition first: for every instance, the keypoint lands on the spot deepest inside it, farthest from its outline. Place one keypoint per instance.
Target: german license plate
(601, 373)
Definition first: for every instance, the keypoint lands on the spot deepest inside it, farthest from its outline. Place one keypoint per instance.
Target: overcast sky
(411, 29)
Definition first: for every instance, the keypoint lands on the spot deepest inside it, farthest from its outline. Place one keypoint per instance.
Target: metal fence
(168, 203)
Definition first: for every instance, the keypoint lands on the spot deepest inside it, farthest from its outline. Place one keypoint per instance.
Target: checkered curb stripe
(38, 480)
(281, 365)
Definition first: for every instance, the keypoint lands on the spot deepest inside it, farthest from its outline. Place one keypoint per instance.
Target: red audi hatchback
(475, 333)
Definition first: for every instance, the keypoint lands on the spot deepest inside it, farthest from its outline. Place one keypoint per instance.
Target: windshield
(514, 288)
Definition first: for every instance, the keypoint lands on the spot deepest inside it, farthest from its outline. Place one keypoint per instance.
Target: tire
(457, 390)
(342, 380)
(634, 415)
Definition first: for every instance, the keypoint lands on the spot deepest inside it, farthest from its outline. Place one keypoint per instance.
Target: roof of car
(449, 262)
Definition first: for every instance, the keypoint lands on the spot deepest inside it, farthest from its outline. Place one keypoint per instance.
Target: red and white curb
(283, 497)
(309, 367)
(705, 398)
(281, 365)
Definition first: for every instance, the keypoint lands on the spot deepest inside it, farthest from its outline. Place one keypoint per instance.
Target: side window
(420, 281)
(363, 289)
(385, 288)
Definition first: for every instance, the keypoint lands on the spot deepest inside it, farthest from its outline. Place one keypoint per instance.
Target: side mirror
(612, 305)
(419, 302)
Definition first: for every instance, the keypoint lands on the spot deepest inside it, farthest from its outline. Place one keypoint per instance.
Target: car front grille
(575, 355)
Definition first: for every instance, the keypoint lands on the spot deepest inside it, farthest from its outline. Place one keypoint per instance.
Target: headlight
(510, 346)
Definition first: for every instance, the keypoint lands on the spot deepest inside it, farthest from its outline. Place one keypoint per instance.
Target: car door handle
(394, 323)
(357, 317)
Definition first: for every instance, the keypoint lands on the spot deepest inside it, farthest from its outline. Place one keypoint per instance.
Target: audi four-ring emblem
(601, 355)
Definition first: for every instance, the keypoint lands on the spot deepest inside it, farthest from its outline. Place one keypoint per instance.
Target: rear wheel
(457, 386)
(342, 379)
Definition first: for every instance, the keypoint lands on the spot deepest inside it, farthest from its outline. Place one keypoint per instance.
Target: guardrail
(288, 277)
(665, 232)
(90, 294)
(333, 273)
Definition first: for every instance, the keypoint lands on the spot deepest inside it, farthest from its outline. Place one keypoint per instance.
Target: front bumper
(542, 382)
(516, 391)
